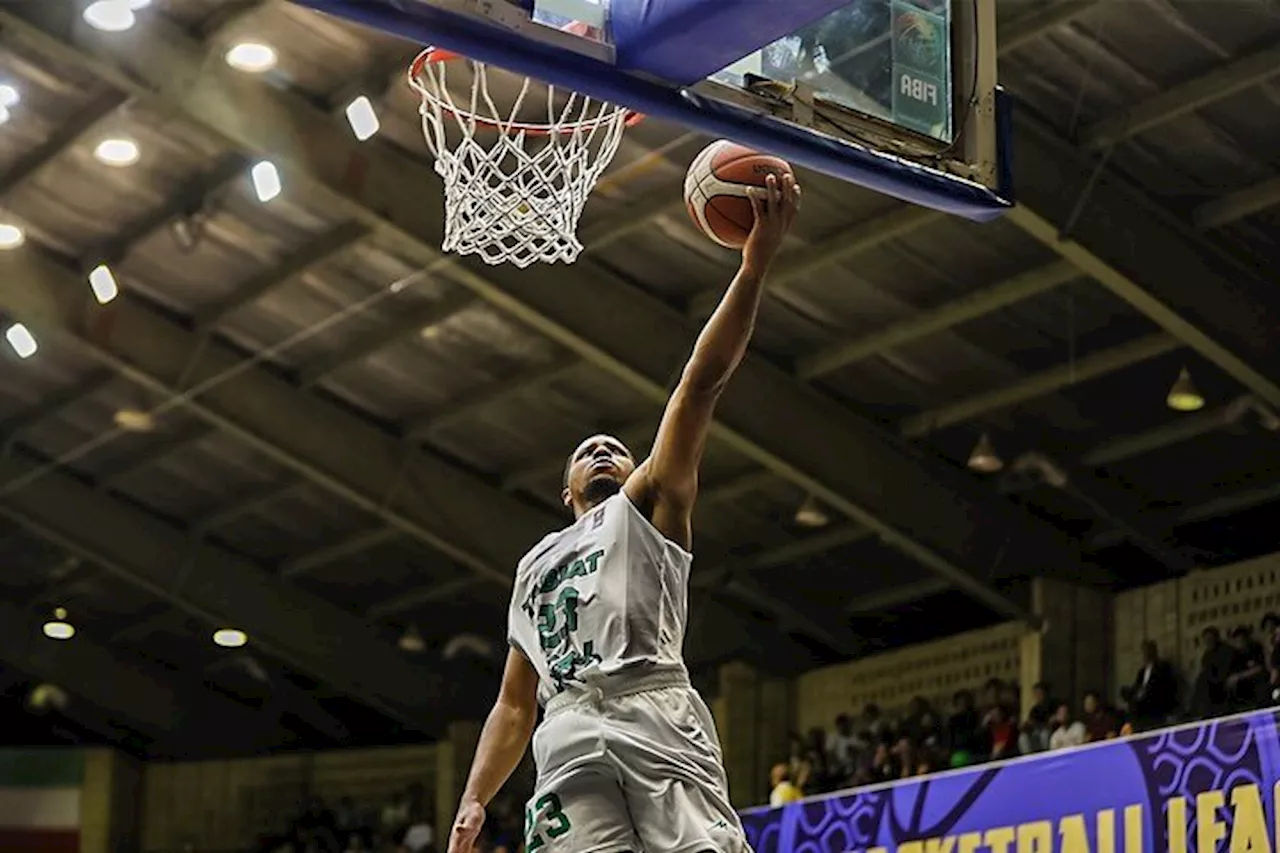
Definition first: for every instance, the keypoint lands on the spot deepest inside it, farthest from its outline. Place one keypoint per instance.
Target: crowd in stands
(1239, 674)
(402, 824)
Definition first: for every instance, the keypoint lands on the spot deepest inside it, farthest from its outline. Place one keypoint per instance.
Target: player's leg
(577, 805)
(582, 812)
(668, 754)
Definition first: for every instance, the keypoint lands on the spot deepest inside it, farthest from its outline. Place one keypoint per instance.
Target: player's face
(597, 469)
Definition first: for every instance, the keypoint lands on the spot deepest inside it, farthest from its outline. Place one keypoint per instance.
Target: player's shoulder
(537, 553)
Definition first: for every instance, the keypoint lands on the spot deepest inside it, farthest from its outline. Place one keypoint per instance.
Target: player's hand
(775, 206)
(466, 827)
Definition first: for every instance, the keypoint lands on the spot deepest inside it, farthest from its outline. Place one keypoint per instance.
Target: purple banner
(1205, 788)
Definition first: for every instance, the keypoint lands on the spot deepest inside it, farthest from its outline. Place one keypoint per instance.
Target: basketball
(715, 190)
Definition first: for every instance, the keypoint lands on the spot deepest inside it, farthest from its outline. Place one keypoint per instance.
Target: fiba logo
(918, 41)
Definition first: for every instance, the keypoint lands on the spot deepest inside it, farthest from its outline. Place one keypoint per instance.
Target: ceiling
(352, 436)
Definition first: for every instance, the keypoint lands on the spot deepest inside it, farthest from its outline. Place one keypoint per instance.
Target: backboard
(896, 95)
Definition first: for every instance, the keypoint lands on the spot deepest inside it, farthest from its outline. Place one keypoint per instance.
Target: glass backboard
(888, 59)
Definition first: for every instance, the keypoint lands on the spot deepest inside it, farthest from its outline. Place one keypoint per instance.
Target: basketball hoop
(514, 188)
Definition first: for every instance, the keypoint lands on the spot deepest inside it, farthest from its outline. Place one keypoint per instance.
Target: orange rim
(436, 55)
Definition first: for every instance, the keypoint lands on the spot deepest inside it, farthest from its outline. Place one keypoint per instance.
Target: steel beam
(122, 687)
(1187, 97)
(922, 324)
(1146, 257)
(922, 508)
(221, 589)
(244, 503)
(363, 346)
(840, 247)
(348, 546)
(1184, 427)
(311, 254)
(1237, 205)
(190, 198)
(76, 128)
(1027, 28)
(528, 380)
(150, 454)
(1041, 384)
(54, 403)
(335, 450)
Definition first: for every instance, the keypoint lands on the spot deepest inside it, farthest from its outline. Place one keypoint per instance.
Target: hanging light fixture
(58, 628)
(1184, 396)
(411, 641)
(983, 458)
(811, 514)
(230, 638)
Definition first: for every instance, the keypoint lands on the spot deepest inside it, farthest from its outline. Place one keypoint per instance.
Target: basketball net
(514, 189)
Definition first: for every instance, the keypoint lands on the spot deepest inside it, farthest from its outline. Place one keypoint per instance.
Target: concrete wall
(1174, 613)
(224, 805)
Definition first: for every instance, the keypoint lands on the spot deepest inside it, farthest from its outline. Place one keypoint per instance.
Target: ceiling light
(58, 628)
(810, 514)
(251, 56)
(362, 118)
(984, 458)
(230, 638)
(135, 420)
(411, 641)
(266, 181)
(103, 284)
(1184, 396)
(9, 96)
(11, 236)
(22, 341)
(117, 151)
(110, 16)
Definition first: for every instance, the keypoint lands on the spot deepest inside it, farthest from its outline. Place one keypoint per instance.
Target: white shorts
(639, 772)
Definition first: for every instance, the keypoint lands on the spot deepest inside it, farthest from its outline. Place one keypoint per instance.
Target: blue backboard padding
(882, 173)
(685, 41)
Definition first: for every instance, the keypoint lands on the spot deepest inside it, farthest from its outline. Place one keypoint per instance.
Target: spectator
(1271, 639)
(1067, 731)
(316, 828)
(799, 770)
(782, 789)
(1153, 696)
(395, 818)
(965, 736)
(843, 746)
(1248, 685)
(1210, 696)
(883, 767)
(1100, 721)
(904, 754)
(1038, 725)
(1002, 733)
(874, 723)
(815, 756)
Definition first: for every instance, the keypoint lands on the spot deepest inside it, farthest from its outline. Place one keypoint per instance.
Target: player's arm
(503, 740)
(667, 482)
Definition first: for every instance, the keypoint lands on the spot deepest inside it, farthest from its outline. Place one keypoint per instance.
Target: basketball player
(627, 754)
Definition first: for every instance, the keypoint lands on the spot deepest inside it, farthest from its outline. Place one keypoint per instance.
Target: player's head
(596, 470)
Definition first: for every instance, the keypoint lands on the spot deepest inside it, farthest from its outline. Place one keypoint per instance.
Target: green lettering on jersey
(551, 581)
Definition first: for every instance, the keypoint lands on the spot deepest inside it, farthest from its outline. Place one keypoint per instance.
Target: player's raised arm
(667, 482)
(503, 740)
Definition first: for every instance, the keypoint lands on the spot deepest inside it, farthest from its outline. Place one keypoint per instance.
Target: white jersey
(606, 597)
